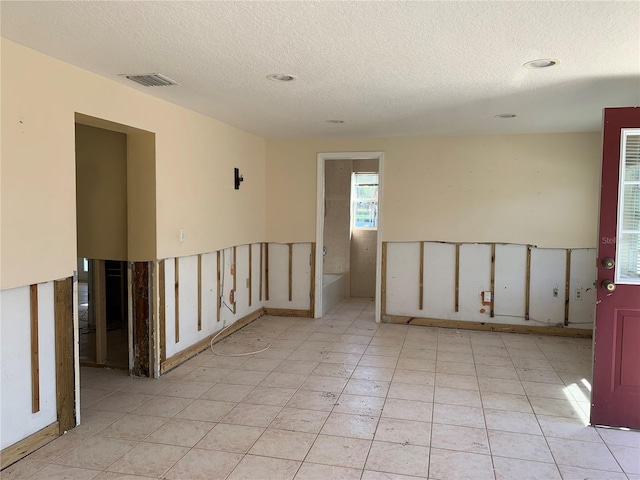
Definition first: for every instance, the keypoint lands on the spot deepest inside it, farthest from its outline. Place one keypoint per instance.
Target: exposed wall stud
(218, 292)
(266, 272)
(261, 267)
(250, 270)
(235, 276)
(383, 286)
(163, 313)
(177, 294)
(291, 272)
(493, 279)
(421, 268)
(457, 280)
(65, 376)
(140, 317)
(567, 284)
(35, 356)
(312, 288)
(199, 292)
(527, 292)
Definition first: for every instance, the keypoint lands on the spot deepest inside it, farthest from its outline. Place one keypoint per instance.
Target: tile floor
(345, 398)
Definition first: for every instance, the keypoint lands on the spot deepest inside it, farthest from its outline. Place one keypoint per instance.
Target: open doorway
(116, 233)
(348, 228)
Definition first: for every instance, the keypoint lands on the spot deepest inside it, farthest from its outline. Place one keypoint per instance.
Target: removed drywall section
(467, 282)
(282, 279)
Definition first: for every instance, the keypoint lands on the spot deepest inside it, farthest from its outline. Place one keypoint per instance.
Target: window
(364, 200)
(628, 244)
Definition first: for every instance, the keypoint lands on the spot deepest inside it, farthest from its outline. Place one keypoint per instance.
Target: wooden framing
(287, 312)
(64, 341)
(203, 344)
(35, 357)
(457, 279)
(527, 291)
(24, 447)
(250, 271)
(218, 294)
(199, 292)
(383, 283)
(421, 278)
(291, 272)
(162, 313)
(235, 276)
(492, 327)
(261, 269)
(177, 302)
(266, 272)
(567, 285)
(493, 279)
(100, 310)
(141, 313)
(312, 288)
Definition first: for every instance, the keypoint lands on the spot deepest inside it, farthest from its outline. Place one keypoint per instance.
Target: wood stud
(64, 341)
(250, 271)
(383, 286)
(199, 292)
(493, 279)
(527, 291)
(218, 294)
(312, 288)
(457, 280)
(162, 314)
(291, 272)
(235, 275)
(421, 282)
(35, 357)
(567, 285)
(266, 272)
(261, 268)
(177, 295)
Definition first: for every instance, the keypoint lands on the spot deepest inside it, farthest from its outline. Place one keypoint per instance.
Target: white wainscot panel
(548, 279)
(279, 276)
(510, 284)
(582, 288)
(403, 278)
(439, 280)
(475, 277)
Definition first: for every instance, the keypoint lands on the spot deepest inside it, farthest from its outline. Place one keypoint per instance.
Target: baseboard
(190, 352)
(488, 327)
(24, 447)
(287, 312)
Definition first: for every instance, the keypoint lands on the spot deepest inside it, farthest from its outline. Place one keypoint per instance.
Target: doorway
(348, 252)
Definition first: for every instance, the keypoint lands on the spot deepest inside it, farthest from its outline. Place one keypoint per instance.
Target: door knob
(608, 285)
(608, 263)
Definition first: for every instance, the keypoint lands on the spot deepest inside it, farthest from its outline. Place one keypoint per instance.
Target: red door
(616, 374)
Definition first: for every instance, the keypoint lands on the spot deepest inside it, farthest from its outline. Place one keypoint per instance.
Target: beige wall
(101, 184)
(195, 157)
(538, 189)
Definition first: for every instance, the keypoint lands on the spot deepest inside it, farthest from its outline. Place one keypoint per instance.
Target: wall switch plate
(486, 297)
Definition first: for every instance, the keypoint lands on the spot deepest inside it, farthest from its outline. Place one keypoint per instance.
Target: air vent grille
(152, 80)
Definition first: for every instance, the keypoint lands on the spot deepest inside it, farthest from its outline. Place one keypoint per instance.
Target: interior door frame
(320, 196)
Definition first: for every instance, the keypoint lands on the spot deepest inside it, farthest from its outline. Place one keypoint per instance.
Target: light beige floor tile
(203, 465)
(407, 432)
(338, 357)
(545, 390)
(334, 369)
(456, 396)
(132, 427)
(349, 348)
(614, 436)
(500, 385)
(491, 371)
(264, 468)
(359, 405)
(286, 444)
(415, 377)
(541, 376)
(399, 458)
(339, 451)
(310, 355)
(519, 445)
(569, 428)
(407, 391)
(344, 425)
(628, 458)
(535, 363)
(225, 392)
(504, 401)
(486, 350)
(363, 372)
(245, 377)
(428, 354)
(383, 351)
(23, 469)
(119, 476)
(300, 367)
(418, 364)
(270, 396)
(180, 432)
(252, 415)
(464, 439)
(207, 374)
(261, 364)
(374, 388)
(284, 380)
(61, 472)
(458, 415)
(162, 406)
(506, 421)
(149, 459)
(557, 408)
(307, 399)
(187, 389)
(230, 438)
(206, 410)
(300, 420)
(320, 383)
(578, 473)
(355, 339)
(219, 361)
(451, 465)
(315, 471)
(455, 368)
(372, 475)
(96, 452)
(92, 421)
(89, 396)
(457, 357)
(511, 468)
(57, 447)
(491, 360)
(121, 402)
(464, 382)
(408, 410)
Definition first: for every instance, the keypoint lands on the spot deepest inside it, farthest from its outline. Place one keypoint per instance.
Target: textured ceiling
(385, 68)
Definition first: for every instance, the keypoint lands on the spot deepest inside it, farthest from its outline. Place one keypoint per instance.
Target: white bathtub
(332, 291)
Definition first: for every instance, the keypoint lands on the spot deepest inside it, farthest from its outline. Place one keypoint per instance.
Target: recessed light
(506, 115)
(541, 63)
(335, 121)
(280, 77)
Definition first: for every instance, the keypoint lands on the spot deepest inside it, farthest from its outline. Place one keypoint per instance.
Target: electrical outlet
(578, 294)
(555, 291)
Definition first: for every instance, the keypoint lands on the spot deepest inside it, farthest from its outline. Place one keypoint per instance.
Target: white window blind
(628, 242)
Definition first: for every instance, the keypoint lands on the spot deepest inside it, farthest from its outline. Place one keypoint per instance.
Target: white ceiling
(385, 68)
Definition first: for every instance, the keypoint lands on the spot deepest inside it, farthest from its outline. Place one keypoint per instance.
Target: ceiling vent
(151, 80)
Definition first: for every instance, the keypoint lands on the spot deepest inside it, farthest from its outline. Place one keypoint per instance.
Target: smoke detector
(151, 80)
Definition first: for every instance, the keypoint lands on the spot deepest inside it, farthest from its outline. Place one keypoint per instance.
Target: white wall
(17, 419)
